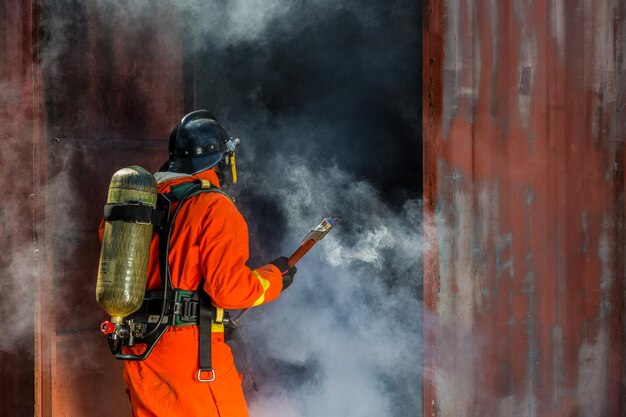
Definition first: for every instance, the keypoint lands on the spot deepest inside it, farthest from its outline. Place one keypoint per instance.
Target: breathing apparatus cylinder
(126, 245)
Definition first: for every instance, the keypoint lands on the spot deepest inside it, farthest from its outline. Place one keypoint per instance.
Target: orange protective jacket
(209, 247)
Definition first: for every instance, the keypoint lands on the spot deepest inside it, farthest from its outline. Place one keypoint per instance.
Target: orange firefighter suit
(209, 247)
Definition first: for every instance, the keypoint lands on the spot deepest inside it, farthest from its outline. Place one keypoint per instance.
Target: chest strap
(138, 212)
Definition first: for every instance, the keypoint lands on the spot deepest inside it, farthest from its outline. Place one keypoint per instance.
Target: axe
(308, 242)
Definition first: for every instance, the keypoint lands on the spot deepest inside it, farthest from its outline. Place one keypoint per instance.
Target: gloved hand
(287, 271)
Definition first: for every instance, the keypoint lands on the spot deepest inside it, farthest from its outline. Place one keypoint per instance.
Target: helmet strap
(219, 170)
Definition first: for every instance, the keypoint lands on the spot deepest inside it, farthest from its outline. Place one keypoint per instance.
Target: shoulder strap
(179, 190)
(161, 216)
(205, 313)
(205, 319)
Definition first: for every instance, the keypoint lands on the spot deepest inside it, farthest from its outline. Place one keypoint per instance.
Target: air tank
(125, 245)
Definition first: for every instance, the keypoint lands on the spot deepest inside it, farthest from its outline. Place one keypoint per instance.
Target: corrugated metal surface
(110, 101)
(524, 189)
(524, 186)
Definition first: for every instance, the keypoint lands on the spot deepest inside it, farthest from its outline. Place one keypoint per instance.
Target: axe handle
(292, 261)
(300, 252)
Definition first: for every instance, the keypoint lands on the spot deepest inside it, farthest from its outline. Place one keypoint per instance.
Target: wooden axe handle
(300, 252)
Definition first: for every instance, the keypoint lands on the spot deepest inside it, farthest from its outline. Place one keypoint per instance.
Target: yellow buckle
(219, 315)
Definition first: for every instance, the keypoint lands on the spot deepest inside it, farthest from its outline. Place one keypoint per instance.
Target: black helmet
(198, 143)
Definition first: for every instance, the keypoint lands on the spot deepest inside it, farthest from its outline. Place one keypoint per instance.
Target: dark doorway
(324, 96)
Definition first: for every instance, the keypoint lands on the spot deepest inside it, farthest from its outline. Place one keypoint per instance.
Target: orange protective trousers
(209, 247)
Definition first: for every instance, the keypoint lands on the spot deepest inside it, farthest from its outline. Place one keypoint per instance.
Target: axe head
(321, 230)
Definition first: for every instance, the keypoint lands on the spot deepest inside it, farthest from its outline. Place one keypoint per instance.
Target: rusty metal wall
(17, 120)
(113, 88)
(524, 118)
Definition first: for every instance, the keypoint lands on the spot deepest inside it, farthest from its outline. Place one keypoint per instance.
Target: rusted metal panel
(106, 72)
(16, 211)
(111, 99)
(524, 192)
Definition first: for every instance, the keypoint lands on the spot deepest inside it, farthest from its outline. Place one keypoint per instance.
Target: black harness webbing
(128, 213)
(176, 307)
(205, 313)
(205, 319)
(178, 191)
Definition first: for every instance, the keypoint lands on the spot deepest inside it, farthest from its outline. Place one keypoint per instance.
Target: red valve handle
(107, 327)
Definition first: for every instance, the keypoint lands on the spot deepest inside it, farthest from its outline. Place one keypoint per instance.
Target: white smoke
(345, 338)
(218, 22)
(26, 252)
(17, 257)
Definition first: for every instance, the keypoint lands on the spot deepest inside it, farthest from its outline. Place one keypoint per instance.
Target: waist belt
(183, 310)
(187, 308)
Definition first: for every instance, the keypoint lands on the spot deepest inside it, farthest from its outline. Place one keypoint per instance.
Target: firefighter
(208, 251)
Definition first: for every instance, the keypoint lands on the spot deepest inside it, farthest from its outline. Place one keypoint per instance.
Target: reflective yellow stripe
(217, 328)
(205, 184)
(265, 284)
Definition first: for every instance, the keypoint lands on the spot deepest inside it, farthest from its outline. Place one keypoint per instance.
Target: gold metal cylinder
(125, 246)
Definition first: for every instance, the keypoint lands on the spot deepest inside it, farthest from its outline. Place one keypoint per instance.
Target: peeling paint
(529, 289)
(527, 62)
(592, 357)
(557, 13)
(530, 191)
(605, 254)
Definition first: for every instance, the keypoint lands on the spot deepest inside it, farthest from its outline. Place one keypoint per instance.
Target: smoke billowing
(17, 256)
(345, 338)
(325, 97)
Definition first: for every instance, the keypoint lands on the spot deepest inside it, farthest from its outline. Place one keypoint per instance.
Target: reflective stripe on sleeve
(265, 284)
